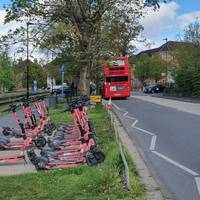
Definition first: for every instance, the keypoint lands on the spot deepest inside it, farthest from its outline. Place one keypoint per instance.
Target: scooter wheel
(40, 163)
(52, 126)
(47, 130)
(2, 147)
(40, 141)
(6, 132)
(90, 159)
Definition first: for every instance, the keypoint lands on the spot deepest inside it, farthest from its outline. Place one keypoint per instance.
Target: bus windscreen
(116, 79)
(118, 63)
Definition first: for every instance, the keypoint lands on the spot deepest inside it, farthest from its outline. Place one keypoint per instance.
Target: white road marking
(125, 113)
(134, 123)
(197, 180)
(127, 116)
(145, 131)
(118, 108)
(175, 163)
(153, 143)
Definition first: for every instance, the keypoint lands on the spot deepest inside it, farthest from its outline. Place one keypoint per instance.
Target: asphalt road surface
(168, 138)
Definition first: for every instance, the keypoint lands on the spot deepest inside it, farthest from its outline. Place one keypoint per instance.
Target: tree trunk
(83, 82)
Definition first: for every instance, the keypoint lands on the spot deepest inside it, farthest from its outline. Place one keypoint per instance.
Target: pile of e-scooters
(44, 144)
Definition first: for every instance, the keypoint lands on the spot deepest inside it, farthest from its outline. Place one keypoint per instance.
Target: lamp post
(27, 58)
(166, 49)
(27, 54)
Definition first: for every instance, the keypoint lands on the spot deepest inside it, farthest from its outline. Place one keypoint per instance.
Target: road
(167, 134)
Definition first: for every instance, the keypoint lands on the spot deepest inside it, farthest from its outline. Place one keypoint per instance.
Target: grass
(102, 182)
(1, 114)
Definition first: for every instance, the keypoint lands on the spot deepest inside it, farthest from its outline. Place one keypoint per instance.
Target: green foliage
(187, 81)
(7, 73)
(142, 68)
(71, 68)
(36, 72)
(150, 67)
(187, 75)
(192, 32)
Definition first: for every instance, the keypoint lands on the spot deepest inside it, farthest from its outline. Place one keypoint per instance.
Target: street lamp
(27, 59)
(166, 49)
(27, 54)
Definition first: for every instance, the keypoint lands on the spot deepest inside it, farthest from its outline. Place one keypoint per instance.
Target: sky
(167, 22)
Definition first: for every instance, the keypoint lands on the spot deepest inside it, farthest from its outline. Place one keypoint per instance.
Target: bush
(187, 83)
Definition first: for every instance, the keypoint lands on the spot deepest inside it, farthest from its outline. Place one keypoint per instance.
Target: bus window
(116, 79)
(118, 63)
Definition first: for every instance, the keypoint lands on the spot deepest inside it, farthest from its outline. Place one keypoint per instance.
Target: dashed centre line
(145, 131)
(153, 143)
(175, 163)
(197, 180)
(134, 123)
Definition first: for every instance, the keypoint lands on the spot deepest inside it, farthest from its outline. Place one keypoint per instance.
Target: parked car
(153, 88)
(58, 90)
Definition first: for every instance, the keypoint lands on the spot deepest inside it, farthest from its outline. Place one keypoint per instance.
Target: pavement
(167, 135)
(185, 106)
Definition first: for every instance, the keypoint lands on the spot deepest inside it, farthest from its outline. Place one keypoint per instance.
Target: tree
(187, 75)
(80, 25)
(36, 72)
(157, 67)
(7, 73)
(192, 32)
(71, 69)
(149, 67)
(142, 68)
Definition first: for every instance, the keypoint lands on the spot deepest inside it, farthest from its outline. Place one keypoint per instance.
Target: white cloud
(155, 22)
(164, 22)
(4, 28)
(185, 19)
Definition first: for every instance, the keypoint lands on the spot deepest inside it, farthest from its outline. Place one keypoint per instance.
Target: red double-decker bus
(117, 79)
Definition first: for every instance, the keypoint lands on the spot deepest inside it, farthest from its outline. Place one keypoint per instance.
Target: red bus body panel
(117, 79)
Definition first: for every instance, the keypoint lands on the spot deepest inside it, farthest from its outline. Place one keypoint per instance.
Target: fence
(66, 97)
(17, 96)
(126, 168)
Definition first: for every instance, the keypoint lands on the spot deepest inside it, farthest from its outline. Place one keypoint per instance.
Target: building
(165, 51)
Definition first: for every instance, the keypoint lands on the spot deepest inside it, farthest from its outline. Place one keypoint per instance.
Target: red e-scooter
(19, 159)
(52, 160)
(31, 137)
(45, 123)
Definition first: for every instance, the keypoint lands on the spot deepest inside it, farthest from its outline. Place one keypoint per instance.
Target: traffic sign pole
(63, 73)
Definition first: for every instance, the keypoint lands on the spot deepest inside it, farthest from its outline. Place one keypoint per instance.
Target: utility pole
(27, 61)
(166, 56)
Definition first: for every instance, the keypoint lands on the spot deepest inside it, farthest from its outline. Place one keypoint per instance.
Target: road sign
(62, 69)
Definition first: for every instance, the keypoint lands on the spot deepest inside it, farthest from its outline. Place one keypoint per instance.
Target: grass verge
(101, 182)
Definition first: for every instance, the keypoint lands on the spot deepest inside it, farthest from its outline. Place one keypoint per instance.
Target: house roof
(168, 46)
